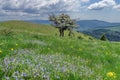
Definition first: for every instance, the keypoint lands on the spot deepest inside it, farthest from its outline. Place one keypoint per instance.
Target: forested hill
(111, 35)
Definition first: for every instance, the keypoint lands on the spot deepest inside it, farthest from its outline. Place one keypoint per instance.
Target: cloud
(102, 4)
(85, 0)
(117, 7)
(30, 7)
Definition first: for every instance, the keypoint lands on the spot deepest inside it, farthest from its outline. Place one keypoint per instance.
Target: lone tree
(63, 22)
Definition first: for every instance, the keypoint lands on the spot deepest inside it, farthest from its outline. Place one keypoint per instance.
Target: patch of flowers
(0, 51)
(25, 64)
(111, 75)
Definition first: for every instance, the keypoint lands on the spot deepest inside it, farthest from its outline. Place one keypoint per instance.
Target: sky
(106, 10)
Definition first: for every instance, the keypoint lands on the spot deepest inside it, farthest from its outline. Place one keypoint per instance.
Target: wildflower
(58, 77)
(16, 44)
(12, 49)
(46, 77)
(7, 78)
(48, 48)
(111, 75)
(36, 74)
(24, 74)
(0, 51)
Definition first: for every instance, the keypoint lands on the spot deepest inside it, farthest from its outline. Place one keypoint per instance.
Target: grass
(35, 56)
(28, 27)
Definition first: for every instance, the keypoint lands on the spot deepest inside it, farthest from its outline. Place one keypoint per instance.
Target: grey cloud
(40, 6)
(102, 4)
(117, 7)
(29, 9)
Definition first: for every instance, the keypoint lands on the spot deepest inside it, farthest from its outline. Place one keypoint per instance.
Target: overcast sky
(107, 10)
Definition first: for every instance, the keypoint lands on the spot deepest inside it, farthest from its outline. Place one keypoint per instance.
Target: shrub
(103, 38)
(80, 37)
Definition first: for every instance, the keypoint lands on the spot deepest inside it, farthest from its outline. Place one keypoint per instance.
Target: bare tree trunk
(61, 32)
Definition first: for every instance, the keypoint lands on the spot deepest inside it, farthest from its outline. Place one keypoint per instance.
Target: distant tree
(103, 38)
(63, 22)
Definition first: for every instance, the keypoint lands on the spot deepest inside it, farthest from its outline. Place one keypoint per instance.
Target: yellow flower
(0, 51)
(12, 49)
(16, 44)
(111, 74)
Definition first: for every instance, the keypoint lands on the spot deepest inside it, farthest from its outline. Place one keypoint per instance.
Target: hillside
(113, 34)
(96, 28)
(28, 53)
(37, 28)
(27, 26)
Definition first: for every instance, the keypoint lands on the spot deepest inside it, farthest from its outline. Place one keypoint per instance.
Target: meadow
(36, 52)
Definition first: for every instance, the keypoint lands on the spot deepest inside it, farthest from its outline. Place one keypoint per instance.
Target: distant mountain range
(95, 24)
(84, 24)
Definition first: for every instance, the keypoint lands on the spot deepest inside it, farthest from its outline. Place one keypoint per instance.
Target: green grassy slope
(48, 57)
(27, 26)
(22, 26)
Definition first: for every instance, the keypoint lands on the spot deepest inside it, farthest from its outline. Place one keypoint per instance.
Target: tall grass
(32, 56)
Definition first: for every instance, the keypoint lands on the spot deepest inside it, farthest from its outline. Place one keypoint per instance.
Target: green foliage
(31, 56)
(77, 60)
(1, 73)
(80, 37)
(63, 22)
(103, 38)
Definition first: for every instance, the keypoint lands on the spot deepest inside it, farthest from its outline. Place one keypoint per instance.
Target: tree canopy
(63, 22)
